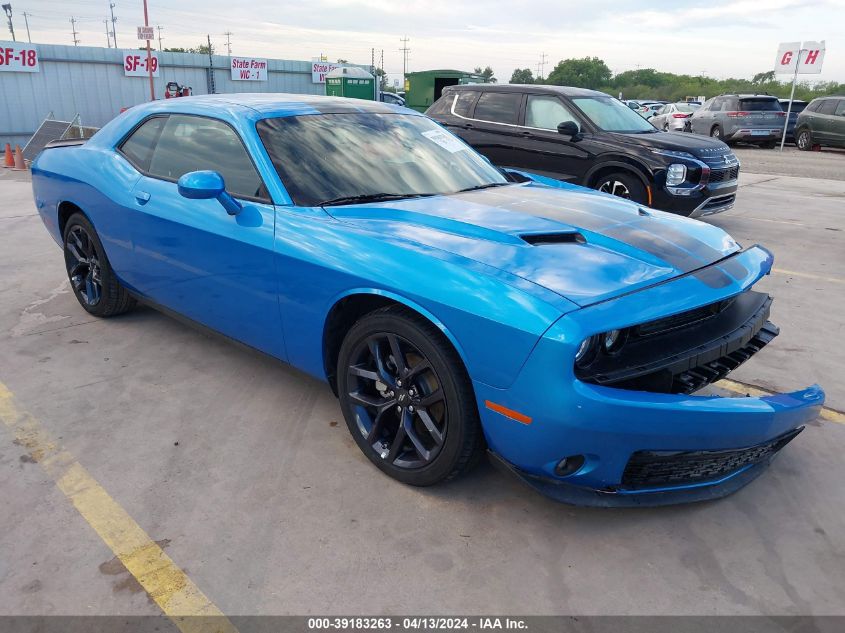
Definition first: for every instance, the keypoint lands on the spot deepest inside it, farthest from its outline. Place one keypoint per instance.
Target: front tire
(91, 276)
(716, 132)
(407, 398)
(623, 185)
(805, 140)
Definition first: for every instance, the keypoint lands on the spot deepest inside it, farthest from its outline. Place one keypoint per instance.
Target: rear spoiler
(68, 142)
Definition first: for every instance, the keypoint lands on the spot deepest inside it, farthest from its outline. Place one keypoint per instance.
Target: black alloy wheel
(623, 185)
(91, 277)
(406, 399)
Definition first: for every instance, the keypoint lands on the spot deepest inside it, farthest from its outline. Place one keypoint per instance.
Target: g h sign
(808, 58)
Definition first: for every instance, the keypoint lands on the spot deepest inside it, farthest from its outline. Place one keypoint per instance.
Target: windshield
(344, 158)
(611, 115)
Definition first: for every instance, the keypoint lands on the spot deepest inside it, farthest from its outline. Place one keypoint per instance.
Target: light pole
(8, 9)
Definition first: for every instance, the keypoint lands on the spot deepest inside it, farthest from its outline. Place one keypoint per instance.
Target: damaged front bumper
(637, 447)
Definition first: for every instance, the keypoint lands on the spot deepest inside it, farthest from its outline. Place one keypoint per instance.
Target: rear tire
(407, 399)
(804, 140)
(91, 276)
(624, 185)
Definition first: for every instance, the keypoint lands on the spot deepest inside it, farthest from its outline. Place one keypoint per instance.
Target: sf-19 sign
(135, 64)
(20, 58)
(808, 58)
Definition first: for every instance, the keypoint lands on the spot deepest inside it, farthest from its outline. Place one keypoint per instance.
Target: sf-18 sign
(135, 64)
(249, 69)
(808, 57)
(22, 58)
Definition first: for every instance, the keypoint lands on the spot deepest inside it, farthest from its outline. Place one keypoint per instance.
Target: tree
(202, 49)
(522, 76)
(486, 74)
(763, 78)
(589, 72)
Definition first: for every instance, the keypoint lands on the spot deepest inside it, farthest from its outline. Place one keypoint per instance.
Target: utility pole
(76, 40)
(228, 34)
(149, 55)
(8, 9)
(405, 50)
(113, 23)
(160, 28)
(25, 21)
(108, 35)
(542, 66)
(211, 89)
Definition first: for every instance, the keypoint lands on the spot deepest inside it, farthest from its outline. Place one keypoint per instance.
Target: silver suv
(748, 118)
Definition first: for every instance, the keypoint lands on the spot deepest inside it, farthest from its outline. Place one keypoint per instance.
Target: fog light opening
(569, 465)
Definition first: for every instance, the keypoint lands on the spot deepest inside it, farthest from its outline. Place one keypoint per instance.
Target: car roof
(266, 104)
(567, 91)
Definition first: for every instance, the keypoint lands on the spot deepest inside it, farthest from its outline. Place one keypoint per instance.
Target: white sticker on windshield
(445, 140)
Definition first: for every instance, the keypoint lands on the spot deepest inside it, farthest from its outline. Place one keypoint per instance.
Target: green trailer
(425, 87)
(352, 82)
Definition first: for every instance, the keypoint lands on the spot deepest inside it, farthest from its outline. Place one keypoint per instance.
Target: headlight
(612, 340)
(585, 346)
(676, 174)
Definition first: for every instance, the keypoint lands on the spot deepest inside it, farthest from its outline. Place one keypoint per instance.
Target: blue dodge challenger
(451, 306)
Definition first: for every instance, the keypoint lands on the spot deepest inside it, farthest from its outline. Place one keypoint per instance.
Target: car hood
(581, 244)
(695, 144)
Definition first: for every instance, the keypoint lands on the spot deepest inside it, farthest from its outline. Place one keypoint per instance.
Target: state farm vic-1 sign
(249, 69)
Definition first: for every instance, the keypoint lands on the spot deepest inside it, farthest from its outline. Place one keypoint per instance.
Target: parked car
(674, 117)
(591, 139)
(451, 306)
(650, 109)
(822, 123)
(390, 97)
(756, 119)
(797, 108)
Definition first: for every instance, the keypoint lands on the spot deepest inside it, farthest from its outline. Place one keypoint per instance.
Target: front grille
(650, 469)
(675, 321)
(724, 175)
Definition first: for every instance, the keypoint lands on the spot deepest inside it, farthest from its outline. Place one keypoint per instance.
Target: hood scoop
(559, 237)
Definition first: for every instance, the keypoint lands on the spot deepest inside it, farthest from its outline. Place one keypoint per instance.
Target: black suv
(591, 139)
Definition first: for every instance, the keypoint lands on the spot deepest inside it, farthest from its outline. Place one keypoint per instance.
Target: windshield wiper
(370, 197)
(485, 186)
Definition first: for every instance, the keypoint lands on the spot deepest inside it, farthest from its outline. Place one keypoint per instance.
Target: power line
(76, 40)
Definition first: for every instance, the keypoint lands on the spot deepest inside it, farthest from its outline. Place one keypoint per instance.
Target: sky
(719, 38)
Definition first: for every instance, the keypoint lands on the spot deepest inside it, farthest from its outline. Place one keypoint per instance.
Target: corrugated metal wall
(90, 82)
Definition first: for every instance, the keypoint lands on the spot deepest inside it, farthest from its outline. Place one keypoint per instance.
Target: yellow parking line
(177, 596)
(781, 271)
(831, 415)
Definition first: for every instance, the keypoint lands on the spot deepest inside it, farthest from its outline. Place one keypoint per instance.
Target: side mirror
(205, 185)
(569, 128)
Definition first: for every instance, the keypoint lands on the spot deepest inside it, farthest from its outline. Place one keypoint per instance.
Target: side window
(828, 106)
(814, 105)
(191, 143)
(498, 107)
(546, 112)
(840, 109)
(466, 99)
(138, 148)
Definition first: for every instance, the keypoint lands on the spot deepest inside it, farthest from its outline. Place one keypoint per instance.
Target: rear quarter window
(466, 101)
(499, 107)
(828, 106)
(138, 148)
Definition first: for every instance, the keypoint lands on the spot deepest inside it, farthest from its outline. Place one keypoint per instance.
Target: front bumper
(608, 426)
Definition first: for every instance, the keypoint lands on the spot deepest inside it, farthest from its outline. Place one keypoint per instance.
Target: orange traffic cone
(19, 164)
(9, 160)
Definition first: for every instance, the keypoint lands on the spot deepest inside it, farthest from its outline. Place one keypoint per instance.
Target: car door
(191, 256)
(539, 148)
(493, 128)
(837, 125)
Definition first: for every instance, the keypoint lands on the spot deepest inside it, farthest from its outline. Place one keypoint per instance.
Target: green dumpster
(425, 87)
(352, 82)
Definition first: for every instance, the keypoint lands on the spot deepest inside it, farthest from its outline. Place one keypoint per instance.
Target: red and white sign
(808, 57)
(249, 69)
(146, 33)
(20, 58)
(319, 69)
(135, 64)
